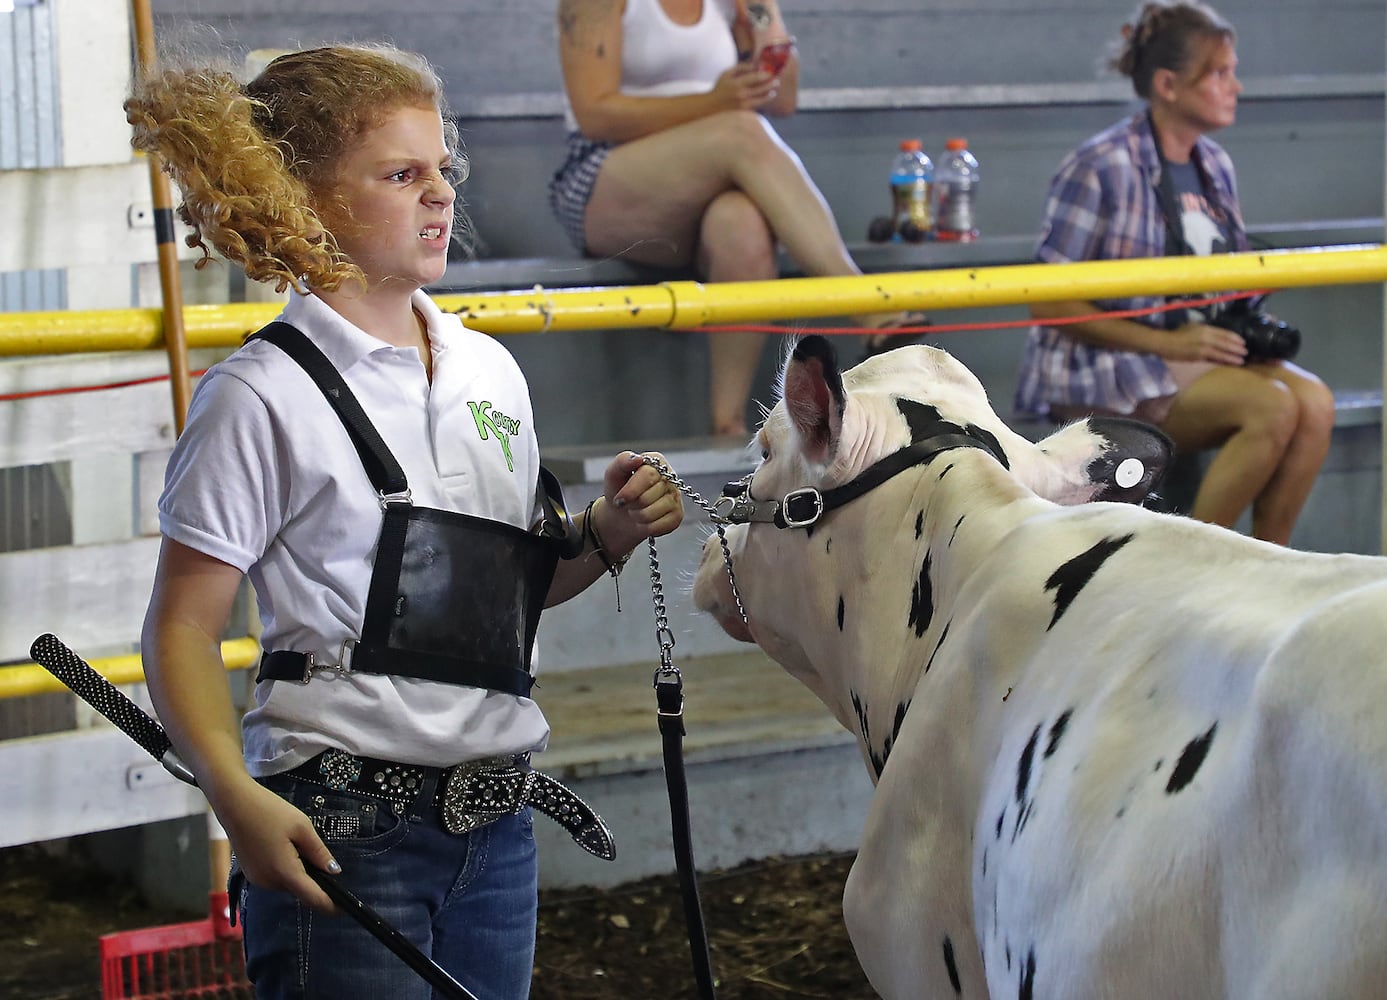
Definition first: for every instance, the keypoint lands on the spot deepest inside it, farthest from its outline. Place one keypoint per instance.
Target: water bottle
(955, 193)
(912, 177)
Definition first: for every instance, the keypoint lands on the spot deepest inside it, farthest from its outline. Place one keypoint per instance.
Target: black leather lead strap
(669, 697)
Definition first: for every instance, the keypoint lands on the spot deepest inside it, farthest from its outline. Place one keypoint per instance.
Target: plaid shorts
(571, 186)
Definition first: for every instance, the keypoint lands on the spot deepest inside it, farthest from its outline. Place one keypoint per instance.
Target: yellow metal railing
(29, 678)
(689, 304)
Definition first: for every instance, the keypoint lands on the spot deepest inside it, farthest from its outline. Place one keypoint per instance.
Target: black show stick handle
(50, 653)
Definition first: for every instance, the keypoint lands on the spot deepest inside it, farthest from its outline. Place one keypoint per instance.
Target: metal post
(170, 282)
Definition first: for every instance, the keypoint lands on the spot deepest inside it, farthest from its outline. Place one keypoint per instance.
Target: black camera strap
(1176, 245)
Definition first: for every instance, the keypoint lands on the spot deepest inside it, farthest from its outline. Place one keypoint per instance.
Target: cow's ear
(1134, 461)
(814, 397)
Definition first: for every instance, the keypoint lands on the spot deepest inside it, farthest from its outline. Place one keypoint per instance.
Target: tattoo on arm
(581, 22)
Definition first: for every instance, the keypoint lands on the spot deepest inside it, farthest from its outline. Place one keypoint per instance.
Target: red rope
(10, 397)
(767, 328)
(958, 327)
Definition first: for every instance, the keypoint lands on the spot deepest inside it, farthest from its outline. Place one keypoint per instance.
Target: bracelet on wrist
(599, 548)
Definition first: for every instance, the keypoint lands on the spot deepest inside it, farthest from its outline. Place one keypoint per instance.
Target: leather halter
(802, 508)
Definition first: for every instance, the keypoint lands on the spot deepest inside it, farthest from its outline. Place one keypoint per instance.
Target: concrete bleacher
(660, 371)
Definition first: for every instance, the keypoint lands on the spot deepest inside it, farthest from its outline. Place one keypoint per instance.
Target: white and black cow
(1119, 754)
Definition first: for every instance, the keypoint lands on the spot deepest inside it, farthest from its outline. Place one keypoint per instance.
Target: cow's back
(1146, 727)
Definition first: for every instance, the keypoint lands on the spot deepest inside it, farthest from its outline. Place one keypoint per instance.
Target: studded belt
(468, 795)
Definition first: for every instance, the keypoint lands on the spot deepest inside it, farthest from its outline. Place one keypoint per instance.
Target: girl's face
(393, 210)
(1206, 96)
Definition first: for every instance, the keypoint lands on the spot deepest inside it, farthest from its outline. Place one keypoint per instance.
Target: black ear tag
(1135, 461)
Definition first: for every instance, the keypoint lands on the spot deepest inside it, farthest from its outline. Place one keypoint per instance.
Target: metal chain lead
(656, 586)
(663, 634)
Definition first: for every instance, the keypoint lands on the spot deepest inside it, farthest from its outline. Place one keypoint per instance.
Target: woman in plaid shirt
(1269, 419)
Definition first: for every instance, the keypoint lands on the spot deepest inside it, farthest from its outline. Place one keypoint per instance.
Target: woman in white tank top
(672, 162)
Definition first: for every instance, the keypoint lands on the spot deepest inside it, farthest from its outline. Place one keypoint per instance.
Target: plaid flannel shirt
(1103, 205)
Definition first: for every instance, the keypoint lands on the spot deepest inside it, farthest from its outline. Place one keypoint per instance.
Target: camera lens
(1269, 339)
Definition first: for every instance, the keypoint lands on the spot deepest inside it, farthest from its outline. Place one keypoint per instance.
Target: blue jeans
(469, 901)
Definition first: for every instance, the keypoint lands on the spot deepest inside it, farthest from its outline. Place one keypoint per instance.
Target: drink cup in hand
(773, 55)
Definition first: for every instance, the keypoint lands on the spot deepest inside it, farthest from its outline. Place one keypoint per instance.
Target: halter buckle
(797, 499)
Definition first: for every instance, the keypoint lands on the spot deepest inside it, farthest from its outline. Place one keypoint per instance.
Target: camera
(1267, 338)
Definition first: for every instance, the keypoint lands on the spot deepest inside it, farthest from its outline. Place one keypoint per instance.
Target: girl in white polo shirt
(371, 466)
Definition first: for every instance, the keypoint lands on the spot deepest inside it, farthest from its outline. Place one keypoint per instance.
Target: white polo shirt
(265, 478)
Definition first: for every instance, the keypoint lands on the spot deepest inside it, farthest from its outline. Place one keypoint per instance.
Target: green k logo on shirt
(494, 423)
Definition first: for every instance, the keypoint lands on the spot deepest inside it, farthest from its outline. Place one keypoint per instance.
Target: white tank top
(660, 58)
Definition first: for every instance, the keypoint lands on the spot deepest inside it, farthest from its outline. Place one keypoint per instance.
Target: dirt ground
(775, 930)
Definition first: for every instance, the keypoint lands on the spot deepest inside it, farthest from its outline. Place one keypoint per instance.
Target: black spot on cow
(1057, 732)
(1025, 804)
(842, 610)
(1008, 956)
(828, 545)
(1027, 987)
(1023, 766)
(1191, 759)
(1074, 575)
(993, 445)
(1023, 816)
(984, 862)
(878, 760)
(1000, 817)
(952, 967)
(922, 599)
(957, 524)
(1159, 762)
(861, 712)
(927, 422)
(945, 471)
(923, 420)
(920, 523)
(942, 636)
(898, 721)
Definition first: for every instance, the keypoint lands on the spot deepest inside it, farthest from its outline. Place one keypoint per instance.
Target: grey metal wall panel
(30, 133)
(32, 291)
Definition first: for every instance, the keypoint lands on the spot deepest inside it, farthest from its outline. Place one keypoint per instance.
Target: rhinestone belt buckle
(482, 792)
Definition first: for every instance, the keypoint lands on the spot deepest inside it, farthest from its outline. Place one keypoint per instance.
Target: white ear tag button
(1129, 473)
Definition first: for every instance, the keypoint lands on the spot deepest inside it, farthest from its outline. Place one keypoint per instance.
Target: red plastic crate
(199, 960)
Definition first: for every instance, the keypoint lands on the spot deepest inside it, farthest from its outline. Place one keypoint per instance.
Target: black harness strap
(381, 468)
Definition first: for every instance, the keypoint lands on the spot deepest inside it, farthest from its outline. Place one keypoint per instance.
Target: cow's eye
(765, 454)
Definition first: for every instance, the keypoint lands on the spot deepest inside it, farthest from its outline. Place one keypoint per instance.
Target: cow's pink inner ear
(811, 408)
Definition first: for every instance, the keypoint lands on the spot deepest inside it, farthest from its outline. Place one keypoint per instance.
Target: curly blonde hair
(1162, 36)
(257, 164)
